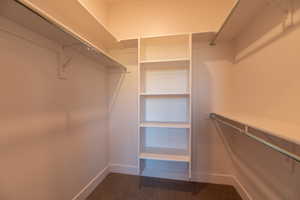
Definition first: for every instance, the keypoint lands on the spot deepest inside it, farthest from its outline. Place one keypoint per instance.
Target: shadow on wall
(276, 177)
(116, 81)
(210, 86)
(116, 78)
(275, 21)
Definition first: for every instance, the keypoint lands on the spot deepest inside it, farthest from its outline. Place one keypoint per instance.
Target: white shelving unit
(165, 106)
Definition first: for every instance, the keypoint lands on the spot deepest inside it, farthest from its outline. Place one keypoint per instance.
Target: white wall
(134, 18)
(123, 121)
(211, 93)
(53, 133)
(265, 83)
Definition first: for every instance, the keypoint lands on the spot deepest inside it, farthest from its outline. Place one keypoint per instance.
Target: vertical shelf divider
(191, 103)
(139, 105)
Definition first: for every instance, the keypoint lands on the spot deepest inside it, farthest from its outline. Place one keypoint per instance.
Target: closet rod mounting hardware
(244, 131)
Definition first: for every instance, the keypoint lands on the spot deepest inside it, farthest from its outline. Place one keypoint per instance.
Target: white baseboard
(213, 178)
(91, 186)
(123, 169)
(224, 179)
(241, 190)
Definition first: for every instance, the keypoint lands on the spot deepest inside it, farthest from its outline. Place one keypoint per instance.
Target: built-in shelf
(165, 94)
(165, 106)
(181, 60)
(164, 125)
(165, 154)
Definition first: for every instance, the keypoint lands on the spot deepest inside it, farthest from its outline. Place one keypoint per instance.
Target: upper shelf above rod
(35, 19)
(238, 18)
(244, 128)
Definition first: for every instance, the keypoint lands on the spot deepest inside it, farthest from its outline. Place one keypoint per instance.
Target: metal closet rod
(88, 46)
(213, 41)
(56, 25)
(252, 136)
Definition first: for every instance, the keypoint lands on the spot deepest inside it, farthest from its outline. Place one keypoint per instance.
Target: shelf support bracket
(63, 63)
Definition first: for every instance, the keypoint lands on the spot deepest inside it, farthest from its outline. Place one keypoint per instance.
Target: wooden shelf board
(164, 154)
(165, 125)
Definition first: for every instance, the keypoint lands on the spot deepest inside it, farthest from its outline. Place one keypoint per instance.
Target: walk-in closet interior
(149, 99)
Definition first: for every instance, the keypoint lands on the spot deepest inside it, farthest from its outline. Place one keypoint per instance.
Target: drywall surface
(266, 67)
(266, 83)
(53, 133)
(134, 18)
(211, 93)
(123, 119)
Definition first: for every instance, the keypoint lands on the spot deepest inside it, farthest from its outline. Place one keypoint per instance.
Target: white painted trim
(91, 186)
(241, 190)
(124, 169)
(224, 179)
(214, 178)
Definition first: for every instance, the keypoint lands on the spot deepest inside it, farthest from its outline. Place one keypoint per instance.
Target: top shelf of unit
(38, 20)
(238, 18)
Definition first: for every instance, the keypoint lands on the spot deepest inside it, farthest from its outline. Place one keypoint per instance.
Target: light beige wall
(211, 93)
(267, 67)
(133, 18)
(53, 133)
(123, 123)
(265, 82)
